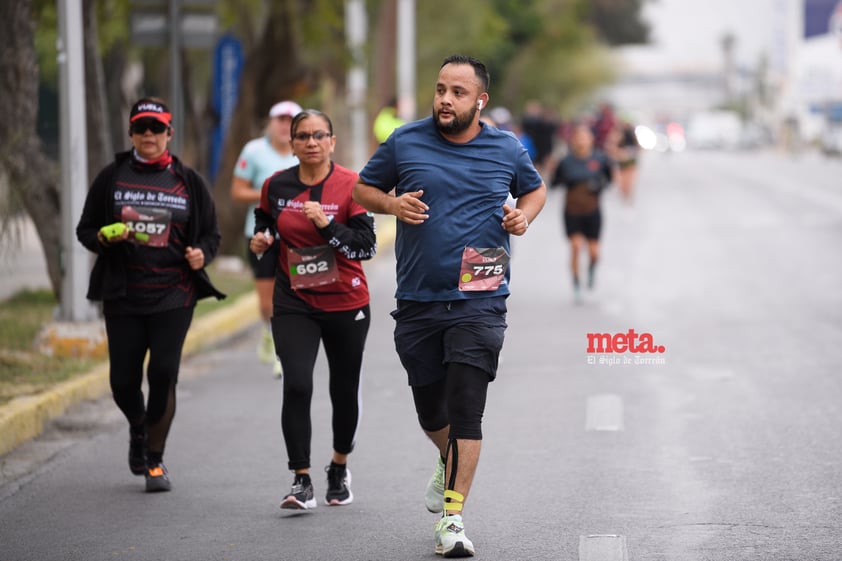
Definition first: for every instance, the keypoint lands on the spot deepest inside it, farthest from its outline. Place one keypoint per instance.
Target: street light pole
(406, 60)
(175, 102)
(355, 32)
(75, 263)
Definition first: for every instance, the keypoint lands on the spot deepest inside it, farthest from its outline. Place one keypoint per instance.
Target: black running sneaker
(338, 486)
(157, 479)
(137, 452)
(301, 497)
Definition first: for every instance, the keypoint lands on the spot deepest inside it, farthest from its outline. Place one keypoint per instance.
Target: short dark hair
(309, 113)
(479, 68)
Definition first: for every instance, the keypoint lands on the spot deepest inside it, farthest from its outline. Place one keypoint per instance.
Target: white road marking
(603, 547)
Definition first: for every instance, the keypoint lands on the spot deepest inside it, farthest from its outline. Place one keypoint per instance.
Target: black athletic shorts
(264, 268)
(588, 225)
(429, 335)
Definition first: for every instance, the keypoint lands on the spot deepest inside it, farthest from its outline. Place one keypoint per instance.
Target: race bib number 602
(312, 266)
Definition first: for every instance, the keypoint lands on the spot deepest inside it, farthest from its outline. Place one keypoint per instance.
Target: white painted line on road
(604, 413)
(603, 547)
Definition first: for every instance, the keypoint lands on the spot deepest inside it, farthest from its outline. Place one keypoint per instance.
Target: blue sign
(817, 14)
(227, 66)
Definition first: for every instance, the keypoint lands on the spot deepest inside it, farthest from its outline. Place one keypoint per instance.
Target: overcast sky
(686, 34)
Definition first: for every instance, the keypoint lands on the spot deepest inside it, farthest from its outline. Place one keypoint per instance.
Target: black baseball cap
(150, 109)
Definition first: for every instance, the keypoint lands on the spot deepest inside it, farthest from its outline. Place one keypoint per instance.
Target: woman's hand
(314, 213)
(260, 242)
(195, 258)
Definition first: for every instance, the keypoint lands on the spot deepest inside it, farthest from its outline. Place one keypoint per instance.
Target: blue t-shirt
(257, 162)
(465, 186)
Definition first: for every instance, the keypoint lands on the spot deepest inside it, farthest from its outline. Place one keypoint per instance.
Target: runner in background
(386, 121)
(259, 159)
(585, 172)
(625, 150)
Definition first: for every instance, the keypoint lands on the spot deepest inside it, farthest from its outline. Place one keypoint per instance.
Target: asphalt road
(723, 447)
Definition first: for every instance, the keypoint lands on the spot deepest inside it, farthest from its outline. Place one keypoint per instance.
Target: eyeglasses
(140, 127)
(305, 136)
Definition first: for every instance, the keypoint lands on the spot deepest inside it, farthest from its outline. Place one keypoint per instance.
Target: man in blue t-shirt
(452, 178)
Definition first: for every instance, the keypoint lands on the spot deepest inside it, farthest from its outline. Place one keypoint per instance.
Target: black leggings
(129, 338)
(297, 338)
(457, 400)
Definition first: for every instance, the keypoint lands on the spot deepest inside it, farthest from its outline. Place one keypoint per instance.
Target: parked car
(831, 140)
(714, 130)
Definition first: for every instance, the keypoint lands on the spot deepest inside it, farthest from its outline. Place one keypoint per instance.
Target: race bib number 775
(483, 268)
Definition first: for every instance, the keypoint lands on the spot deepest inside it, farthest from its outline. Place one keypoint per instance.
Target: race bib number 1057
(147, 225)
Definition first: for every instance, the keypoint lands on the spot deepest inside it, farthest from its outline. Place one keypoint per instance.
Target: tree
(32, 176)
(262, 83)
(618, 22)
(546, 50)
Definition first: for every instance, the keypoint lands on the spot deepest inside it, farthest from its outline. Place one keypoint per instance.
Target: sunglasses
(140, 127)
(305, 136)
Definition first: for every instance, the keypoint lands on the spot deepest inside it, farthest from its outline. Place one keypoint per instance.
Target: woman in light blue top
(260, 159)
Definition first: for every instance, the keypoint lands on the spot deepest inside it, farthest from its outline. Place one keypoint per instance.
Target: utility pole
(355, 33)
(75, 262)
(176, 102)
(406, 60)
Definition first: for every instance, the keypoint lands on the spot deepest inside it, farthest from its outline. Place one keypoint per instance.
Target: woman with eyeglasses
(152, 224)
(321, 296)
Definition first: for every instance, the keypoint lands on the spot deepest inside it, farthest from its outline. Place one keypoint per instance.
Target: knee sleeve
(431, 406)
(467, 387)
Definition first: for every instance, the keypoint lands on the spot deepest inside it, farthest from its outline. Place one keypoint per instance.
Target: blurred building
(777, 62)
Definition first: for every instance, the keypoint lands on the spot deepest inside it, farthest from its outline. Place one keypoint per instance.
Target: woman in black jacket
(152, 223)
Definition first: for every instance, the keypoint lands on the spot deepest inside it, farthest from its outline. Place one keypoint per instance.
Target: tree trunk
(31, 174)
(96, 106)
(272, 71)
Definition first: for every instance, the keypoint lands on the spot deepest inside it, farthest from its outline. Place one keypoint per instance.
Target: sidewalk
(22, 264)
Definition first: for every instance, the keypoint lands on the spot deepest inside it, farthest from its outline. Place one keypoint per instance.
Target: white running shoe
(266, 348)
(434, 497)
(450, 538)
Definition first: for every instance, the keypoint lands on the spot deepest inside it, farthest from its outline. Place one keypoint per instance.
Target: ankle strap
(453, 500)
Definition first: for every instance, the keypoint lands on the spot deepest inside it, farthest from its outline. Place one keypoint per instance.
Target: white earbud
(479, 104)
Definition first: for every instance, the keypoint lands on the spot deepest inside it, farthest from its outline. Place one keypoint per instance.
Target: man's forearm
(373, 199)
(532, 202)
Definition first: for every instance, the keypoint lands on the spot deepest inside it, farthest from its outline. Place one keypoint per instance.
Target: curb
(25, 417)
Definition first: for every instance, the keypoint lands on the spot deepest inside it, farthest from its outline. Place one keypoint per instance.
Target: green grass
(25, 371)
(231, 283)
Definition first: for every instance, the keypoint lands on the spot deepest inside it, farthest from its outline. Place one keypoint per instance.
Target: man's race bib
(483, 268)
(312, 266)
(147, 225)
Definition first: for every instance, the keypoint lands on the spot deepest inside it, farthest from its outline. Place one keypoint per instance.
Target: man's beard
(459, 123)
